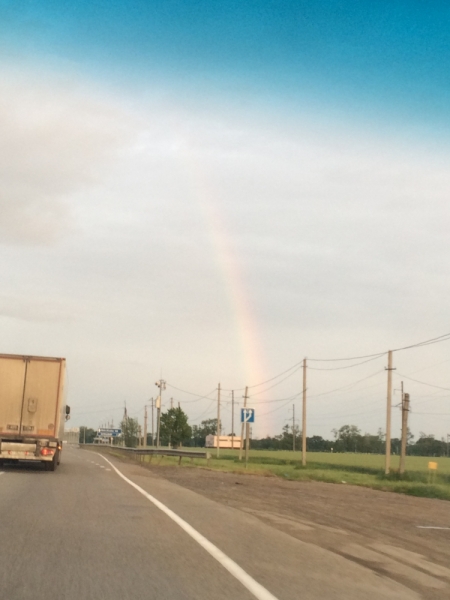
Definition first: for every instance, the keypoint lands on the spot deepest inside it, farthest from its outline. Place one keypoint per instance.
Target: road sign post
(247, 417)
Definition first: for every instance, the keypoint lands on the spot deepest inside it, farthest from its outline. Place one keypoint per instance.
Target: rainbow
(234, 285)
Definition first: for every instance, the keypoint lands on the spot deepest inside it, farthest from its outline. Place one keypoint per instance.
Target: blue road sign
(108, 432)
(247, 415)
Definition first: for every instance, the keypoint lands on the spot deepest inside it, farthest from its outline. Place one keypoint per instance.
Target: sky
(209, 192)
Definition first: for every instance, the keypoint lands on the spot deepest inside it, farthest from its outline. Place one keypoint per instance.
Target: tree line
(175, 431)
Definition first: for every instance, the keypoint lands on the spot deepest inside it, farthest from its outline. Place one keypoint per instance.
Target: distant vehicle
(32, 409)
(226, 441)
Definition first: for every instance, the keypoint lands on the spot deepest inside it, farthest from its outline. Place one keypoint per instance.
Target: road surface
(111, 530)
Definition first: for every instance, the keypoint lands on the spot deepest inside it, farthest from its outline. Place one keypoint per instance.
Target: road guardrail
(138, 453)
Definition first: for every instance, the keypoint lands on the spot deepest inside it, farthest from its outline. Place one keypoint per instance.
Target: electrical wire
(204, 412)
(275, 384)
(441, 338)
(192, 393)
(436, 340)
(347, 366)
(267, 380)
(347, 358)
(346, 386)
(271, 411)
(423, 382)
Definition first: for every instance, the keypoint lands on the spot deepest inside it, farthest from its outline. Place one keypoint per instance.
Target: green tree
(175, 429)
(87, 435)
(199, 432)
(348, 438)
(130, 432)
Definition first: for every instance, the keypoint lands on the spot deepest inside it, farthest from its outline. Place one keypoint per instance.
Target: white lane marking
(101, 466)
(431, 527)
(238, 572)
(107, 469)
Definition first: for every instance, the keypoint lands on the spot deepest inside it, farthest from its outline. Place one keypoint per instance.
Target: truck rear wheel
(51, 465)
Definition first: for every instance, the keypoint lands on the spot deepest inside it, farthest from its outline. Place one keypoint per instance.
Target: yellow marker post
(432, 468)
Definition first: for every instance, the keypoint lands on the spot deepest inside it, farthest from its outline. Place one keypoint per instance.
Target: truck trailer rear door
(12, 379)
(40, 400)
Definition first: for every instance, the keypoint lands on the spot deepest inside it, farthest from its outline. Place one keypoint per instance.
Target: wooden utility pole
(232, 419)
(241, 442)
(293, 428)
(171, 403)
(304, 416)
(153, 428)
(145, 427)
(388, 414)
(218, 420)
(405, 411)
(161, 384)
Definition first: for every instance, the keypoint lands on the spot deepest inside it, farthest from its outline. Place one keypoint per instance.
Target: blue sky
(213, 190)
(386, 59)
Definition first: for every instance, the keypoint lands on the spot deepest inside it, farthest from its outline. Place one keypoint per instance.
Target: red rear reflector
(47, 451)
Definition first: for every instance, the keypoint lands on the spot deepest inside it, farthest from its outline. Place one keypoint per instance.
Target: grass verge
(347, 471)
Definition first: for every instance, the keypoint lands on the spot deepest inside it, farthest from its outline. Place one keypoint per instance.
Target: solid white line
(247, 581)
(431, 527)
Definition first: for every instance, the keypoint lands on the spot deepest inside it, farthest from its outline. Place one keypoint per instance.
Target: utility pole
(171, 403)
(218, 420)
(388, 414)
(293, 428)
(145, 427)
(304, 416)
(405, 410)
(161, 384)
(232, 419)
(153, 430)
(242, 425)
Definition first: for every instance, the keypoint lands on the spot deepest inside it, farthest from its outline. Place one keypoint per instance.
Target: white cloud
(55, 139)
(131, 229)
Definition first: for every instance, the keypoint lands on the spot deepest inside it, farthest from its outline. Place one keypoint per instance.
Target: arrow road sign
(247, 415)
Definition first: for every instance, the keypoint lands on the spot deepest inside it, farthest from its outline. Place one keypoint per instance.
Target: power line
(192, 393)
(344, 359)
(278, 382)
(277, 408)
(205, 411)
(424, 383)
(436, 340)
(267, 380)
(347, 366)
(441, 338)
(346, 386)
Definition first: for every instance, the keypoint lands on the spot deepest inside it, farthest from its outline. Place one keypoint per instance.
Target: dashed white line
(238, 572)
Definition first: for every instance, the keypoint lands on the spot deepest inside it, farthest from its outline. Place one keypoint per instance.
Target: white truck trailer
(33, 409)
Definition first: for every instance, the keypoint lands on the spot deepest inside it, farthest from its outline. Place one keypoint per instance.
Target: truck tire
(51, 466)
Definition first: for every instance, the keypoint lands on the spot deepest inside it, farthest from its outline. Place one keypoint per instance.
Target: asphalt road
(85, 532)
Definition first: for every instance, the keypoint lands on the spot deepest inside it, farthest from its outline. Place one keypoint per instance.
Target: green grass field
(350, 469)
(348, 459)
